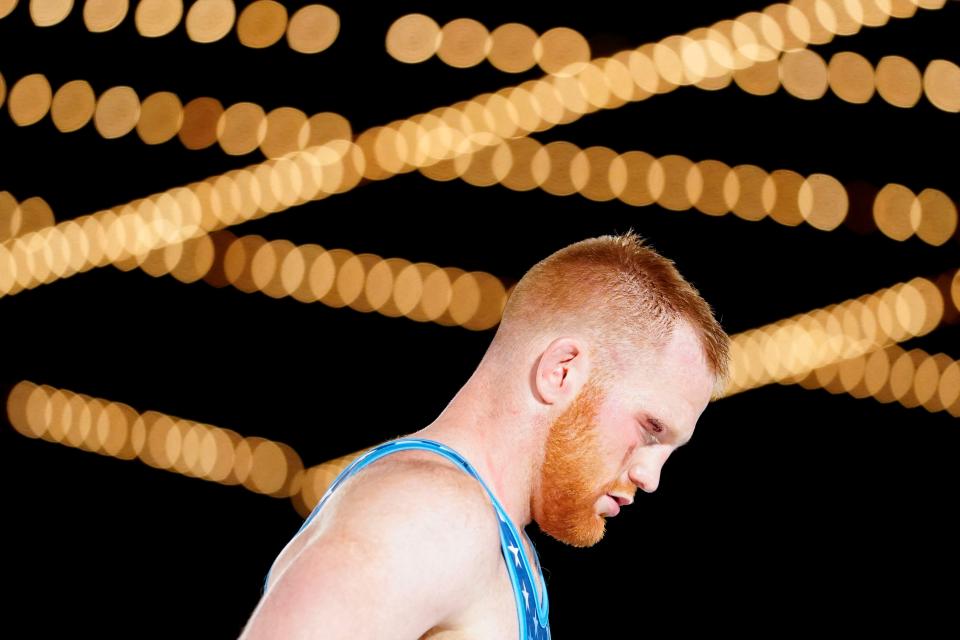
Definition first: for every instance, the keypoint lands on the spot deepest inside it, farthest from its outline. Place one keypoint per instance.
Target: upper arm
(399, 553)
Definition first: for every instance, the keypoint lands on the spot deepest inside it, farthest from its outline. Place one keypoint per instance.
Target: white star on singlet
(526, 597)
(515, 552)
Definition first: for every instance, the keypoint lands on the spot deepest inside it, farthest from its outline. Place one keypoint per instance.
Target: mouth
(612, 506)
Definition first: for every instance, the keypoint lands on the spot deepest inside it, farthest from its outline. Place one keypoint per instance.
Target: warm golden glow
(803, 74)
(518, 155)
(34, 214)
(46, 13)
(10, 219)
(896, 211)
(198, 128)
(898, 81)
(117, 112)
(161, 116)
(823, 202)
(511, 47)
(6, 6)
(29, 99)
(786, 204)
(941, 83)
(590, 173)
(812, 348)
(413, 38)
(938, 217)
(287, 130)
(631, 176)
(210, 20)
(326, 126)
(265, 267)
(313, 28)
(716, 199)
(955, 290)
(561, 51)
(104, 15)
(155, 18)
(551, 168)
(752, 192)
(463, 43)
(760, 79)
(261, 24)
(73, 106)
(679, 184)
(159, 440)
(851, 77)
(242, 127)
(948, 391)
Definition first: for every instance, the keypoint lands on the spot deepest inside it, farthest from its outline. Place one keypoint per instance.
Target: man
(603, 362)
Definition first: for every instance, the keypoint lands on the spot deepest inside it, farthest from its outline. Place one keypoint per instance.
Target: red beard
(572, 467)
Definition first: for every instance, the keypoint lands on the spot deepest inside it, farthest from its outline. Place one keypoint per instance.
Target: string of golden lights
(465, 42)
(492, 118)
(677, 183)
(913, 378)
(802, 73)
(159, 440)
(364, 282)
(262, 23)
(239, 129)
(789, 350)
(177, 215)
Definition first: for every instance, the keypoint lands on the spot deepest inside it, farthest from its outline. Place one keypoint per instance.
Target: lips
(613, 507)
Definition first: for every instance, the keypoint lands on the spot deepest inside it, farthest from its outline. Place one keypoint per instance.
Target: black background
(790, 509)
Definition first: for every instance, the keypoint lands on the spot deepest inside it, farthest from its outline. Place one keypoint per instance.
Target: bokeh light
(161, 116)
(511, 47)
(46, 13)
(313, 28)
(561, 51)
(73, 106)
(29, 99)
(941, 83)
(210, 20)
(104, 15)
(117, 112)
(851, 77)
(804, 74)
(413, 38)
(464, 42)
(155, 18)
(198, 129)
(898, 81)
(261, 24)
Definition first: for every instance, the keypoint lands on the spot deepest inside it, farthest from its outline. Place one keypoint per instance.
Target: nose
(645, 474)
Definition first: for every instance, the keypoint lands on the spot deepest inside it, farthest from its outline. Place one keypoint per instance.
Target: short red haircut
(620, 293)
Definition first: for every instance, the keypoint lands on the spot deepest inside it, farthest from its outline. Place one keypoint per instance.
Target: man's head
(625, 355)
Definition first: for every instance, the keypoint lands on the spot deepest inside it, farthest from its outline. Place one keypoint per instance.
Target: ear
(563, 368)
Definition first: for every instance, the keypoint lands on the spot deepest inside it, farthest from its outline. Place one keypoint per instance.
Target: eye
(649, 430)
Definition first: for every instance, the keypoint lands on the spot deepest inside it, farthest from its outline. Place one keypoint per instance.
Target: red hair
(620, 293)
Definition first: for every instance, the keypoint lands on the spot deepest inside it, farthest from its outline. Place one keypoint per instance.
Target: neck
(499, 438)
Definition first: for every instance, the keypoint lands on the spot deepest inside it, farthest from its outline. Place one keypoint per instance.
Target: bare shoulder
(414, 493)
(407, 543)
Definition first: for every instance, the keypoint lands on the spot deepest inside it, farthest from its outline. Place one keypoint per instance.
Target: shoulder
(414, 493)
(404, 545)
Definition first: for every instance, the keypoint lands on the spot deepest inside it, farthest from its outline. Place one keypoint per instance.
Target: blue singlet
(534, 622)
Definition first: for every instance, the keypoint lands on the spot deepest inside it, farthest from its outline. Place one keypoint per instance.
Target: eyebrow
(669, 430)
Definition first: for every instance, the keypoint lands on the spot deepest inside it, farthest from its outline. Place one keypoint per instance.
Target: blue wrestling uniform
(532, 615)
